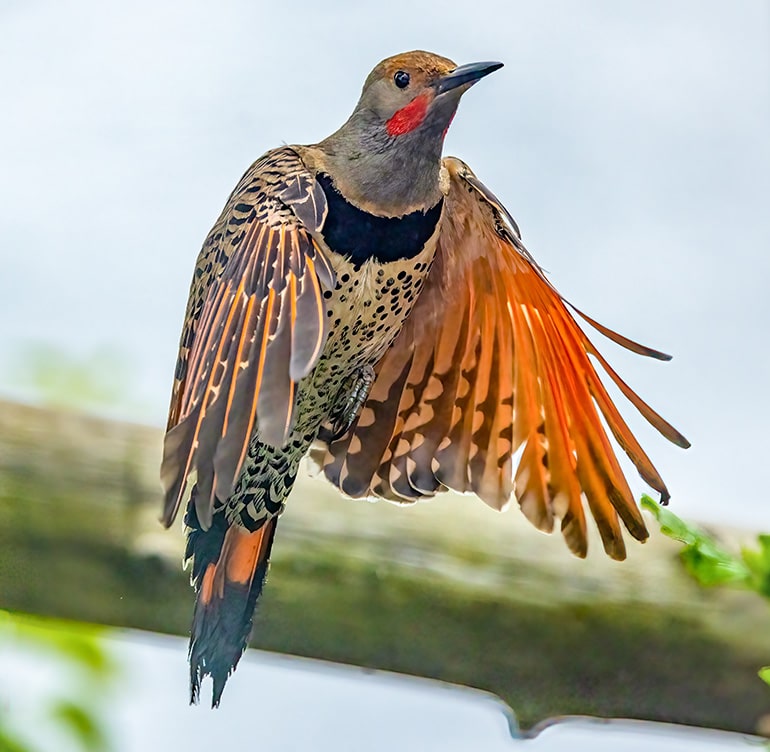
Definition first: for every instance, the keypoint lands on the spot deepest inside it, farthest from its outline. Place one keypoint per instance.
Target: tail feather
(228, 572)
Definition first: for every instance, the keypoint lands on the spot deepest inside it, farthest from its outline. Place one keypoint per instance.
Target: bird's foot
(360, 384)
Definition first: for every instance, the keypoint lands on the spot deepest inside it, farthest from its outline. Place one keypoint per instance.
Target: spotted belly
(371, 303)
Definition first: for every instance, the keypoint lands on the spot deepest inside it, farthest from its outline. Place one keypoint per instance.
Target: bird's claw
(362, 380)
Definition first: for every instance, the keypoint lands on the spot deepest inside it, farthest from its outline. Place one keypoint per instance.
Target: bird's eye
(402, 79)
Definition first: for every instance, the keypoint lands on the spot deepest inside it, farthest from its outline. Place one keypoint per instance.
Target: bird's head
(386, 158)
(417, 93)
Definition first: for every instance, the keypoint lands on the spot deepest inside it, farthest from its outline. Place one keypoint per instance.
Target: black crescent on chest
(361, 236)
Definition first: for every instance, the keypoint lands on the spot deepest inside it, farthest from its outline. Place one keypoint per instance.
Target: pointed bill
(465, 75)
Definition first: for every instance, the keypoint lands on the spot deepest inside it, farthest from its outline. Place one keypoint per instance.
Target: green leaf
(83, 725)
(10, 743)
(764, 674)
(711, 567)
(703, 558)
(758, 562)
(77, 642)
(670, 525)
(72, 646)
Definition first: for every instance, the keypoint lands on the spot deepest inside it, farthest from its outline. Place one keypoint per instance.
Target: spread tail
(228, 573)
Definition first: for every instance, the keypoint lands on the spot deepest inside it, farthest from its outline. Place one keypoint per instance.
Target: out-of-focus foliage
(52, 376)
(710, 564)
(68, 698)
(707, 561)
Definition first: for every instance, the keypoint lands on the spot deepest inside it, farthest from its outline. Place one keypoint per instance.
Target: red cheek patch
(408, 118)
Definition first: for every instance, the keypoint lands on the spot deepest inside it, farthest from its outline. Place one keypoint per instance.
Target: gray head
(387, 155)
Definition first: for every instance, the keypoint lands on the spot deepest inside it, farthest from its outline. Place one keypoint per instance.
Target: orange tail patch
(237, 563)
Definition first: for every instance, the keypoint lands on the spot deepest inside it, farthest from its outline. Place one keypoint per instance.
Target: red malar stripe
(408, 118)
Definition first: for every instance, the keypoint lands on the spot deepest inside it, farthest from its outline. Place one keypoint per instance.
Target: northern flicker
(372, 304)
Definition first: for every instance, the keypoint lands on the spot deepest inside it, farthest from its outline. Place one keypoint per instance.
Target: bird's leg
(356, 390)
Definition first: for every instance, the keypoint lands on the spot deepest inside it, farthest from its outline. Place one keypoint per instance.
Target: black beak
(465, 74)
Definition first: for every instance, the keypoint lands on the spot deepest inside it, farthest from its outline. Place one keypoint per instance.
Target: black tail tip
(219, 679)
(220, 634)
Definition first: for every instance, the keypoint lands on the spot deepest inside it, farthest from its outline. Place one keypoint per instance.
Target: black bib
(361, 236)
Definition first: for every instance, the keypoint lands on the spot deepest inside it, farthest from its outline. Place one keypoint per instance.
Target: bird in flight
(367, 302)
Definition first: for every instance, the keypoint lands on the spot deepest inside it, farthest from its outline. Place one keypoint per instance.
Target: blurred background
(630, 141)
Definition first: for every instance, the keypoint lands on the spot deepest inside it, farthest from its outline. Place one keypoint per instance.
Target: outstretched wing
(491, 368)
(255, 325)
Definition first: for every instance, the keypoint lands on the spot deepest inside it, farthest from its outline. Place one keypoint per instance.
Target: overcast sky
(630, 140)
